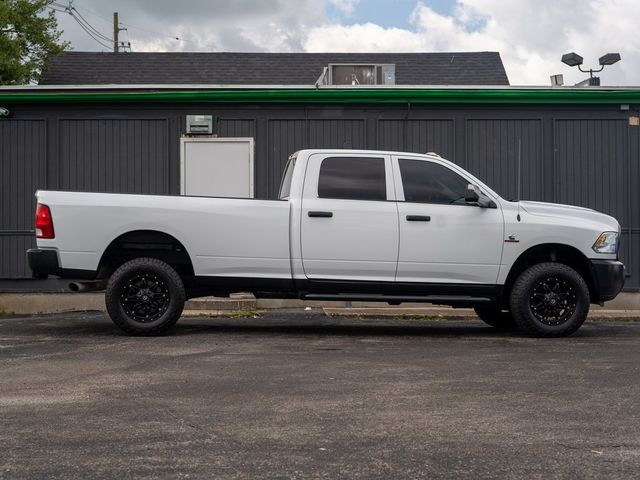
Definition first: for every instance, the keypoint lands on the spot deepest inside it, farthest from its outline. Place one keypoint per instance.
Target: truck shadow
(76, 325)
(341, 327)
(338, 330)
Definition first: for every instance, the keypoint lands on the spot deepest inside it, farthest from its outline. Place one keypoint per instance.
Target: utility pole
(116, 31)
(117, 45)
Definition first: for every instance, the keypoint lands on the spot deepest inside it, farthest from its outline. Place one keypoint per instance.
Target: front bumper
(608, 279)
(43, 262)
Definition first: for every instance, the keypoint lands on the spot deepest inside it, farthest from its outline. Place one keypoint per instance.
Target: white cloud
(367, 37)
(531, 36)
(201, 25)
(345, 6)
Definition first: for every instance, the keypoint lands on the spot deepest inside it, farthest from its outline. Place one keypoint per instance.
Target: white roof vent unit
(361, 74)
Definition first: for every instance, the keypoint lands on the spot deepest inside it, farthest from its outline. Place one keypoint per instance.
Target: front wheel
(145, 296)
(549, 300)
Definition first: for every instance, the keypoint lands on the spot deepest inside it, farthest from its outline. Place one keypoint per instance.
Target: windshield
(285, 186)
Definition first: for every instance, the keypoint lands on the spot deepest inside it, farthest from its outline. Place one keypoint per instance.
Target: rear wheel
(496, 317)
(145, 296)
(549, 300)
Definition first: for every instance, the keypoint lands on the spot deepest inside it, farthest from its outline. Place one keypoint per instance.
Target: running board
(357, 297)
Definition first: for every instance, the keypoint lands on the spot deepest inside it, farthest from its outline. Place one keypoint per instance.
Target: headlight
(607, 242)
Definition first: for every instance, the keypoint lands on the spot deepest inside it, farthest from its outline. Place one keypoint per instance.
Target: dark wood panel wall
(582, 155)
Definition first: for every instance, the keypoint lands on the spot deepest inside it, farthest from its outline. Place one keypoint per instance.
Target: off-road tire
(496, 317)
(157, 279)
(535, 293)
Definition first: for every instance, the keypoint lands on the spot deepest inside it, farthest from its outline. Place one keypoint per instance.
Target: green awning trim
(337, 96)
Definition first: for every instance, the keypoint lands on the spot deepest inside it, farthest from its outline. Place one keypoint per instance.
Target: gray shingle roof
(99, 68)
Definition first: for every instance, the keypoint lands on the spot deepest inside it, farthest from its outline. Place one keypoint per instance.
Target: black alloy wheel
(145, 296)
(549, 299)
(553, 300)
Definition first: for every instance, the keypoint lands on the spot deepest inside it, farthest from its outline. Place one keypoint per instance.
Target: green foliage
(429, 318)
(29, 37)
(244, 314)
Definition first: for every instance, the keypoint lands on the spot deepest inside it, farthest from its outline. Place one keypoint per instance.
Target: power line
(90, 28)
(72, 10)
(92, 36)
(93, 32)
(76, 12)
(179, 39)
(137, 27)
(91, 12)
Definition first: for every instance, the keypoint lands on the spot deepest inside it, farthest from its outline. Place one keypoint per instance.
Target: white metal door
(216, 167)
(447, 243)
(348, 239)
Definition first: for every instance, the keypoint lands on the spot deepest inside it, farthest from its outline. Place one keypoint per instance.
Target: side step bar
(438, 299)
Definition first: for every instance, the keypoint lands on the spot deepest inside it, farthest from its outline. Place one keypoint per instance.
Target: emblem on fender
(511, 239)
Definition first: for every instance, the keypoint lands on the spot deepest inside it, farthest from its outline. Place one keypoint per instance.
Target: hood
(570, 211)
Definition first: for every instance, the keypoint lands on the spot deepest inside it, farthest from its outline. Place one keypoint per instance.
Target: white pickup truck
(348, 225)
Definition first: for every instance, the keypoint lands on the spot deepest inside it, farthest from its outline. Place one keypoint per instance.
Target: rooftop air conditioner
(361, 74)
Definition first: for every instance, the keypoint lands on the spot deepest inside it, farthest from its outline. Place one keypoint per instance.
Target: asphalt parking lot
(306, 396)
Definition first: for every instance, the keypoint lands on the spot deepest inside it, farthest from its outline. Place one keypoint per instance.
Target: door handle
(320, 214)
(418, 218)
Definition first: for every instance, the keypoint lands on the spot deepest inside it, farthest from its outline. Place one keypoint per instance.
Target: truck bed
(223, 236)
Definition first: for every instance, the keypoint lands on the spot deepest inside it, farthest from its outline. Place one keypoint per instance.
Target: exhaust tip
(89, 286)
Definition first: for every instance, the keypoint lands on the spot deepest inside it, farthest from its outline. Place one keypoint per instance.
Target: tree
(29, 37)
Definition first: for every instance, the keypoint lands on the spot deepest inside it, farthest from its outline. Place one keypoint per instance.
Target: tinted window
(352, 178)
(428, 182)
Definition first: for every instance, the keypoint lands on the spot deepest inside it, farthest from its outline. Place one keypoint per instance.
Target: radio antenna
(519, 175)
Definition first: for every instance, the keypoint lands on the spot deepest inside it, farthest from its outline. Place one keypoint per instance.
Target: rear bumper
(43, 262)
(608, 276)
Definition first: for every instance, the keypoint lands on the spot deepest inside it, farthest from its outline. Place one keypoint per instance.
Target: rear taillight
(44, 222)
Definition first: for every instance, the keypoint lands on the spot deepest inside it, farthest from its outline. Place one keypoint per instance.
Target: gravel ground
(302, 395)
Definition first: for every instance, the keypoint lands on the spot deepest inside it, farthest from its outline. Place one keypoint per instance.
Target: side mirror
(474, 196)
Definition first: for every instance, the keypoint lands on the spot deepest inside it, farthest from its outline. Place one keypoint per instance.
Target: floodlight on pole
(609, 59)
(574, 60)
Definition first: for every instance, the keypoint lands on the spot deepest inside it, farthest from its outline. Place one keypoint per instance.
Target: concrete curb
(42, 303)
(237, 301)
(35, 303)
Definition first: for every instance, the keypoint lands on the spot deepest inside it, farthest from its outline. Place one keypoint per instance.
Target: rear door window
(352, 178)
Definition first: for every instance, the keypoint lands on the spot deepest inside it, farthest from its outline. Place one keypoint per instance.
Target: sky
(531, 35)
